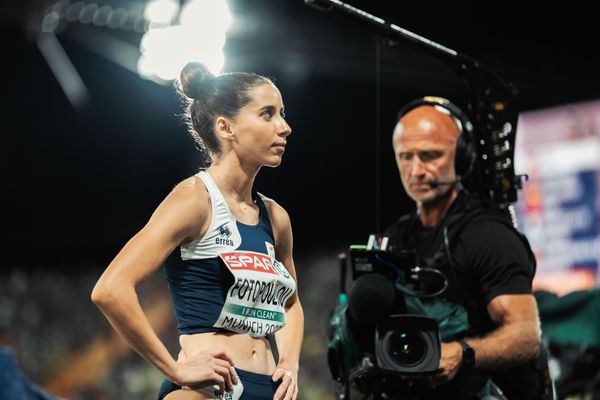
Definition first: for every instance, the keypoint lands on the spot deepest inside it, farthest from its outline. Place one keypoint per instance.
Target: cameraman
(488, 264)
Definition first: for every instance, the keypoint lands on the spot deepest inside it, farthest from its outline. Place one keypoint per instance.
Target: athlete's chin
(273, 162)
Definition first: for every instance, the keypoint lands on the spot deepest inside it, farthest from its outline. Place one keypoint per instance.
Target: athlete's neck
(234, 180)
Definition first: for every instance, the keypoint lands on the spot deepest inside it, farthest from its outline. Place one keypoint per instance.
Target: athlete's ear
(224, 128)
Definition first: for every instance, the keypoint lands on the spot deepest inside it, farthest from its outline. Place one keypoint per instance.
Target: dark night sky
(79, 183)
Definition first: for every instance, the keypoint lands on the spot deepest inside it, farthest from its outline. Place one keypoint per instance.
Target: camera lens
(406, 348)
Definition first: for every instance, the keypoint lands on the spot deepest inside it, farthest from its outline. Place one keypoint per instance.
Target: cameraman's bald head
(424, 143)
(427, 122)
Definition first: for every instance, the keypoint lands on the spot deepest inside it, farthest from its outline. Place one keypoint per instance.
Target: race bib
(255, 303)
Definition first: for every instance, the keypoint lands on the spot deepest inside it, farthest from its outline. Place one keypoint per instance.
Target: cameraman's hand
(450, 362)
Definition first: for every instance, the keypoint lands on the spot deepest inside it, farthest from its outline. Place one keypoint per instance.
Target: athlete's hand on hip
(288, 388)
(206, 368)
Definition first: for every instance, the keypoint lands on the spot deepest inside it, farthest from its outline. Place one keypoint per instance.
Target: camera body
(404, 343)
(379, 342)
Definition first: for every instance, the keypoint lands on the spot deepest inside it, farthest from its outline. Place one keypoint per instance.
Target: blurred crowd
(60, 342)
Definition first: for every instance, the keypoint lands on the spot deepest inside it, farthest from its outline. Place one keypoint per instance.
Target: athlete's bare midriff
(248, 353)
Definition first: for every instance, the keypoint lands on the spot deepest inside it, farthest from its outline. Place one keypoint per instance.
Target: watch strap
(468, 354)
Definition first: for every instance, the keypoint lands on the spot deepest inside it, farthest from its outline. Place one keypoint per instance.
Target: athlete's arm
(289, 338)
(181, 217)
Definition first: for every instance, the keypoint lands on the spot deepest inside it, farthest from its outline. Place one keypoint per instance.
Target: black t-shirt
(481, 254)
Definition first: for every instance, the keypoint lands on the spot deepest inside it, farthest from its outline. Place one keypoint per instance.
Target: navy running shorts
(250, 386)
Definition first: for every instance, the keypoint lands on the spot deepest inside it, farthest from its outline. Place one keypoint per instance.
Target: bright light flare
(200, 36)
(207, 16)
(161, 12)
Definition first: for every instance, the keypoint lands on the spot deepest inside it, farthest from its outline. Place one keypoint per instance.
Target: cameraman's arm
(502, 266)
(516, 340)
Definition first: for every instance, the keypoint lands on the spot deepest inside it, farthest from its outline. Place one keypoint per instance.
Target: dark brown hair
(207, 97)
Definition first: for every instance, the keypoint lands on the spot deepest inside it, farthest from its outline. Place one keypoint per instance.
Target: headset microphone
(436, 184)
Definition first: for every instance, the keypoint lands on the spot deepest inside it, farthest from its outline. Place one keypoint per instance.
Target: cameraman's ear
(224, 128)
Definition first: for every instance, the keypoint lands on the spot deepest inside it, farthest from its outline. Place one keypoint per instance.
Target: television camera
(384, 335)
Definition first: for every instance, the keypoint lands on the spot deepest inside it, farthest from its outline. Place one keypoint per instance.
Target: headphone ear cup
(464, 158)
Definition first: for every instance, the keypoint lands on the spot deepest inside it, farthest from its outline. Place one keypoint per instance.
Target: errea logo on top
(224, 234)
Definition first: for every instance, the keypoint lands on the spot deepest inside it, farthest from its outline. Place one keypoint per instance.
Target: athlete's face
(260, 129)
(424, 144)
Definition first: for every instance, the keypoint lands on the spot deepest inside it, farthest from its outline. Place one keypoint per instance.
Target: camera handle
(414, 274)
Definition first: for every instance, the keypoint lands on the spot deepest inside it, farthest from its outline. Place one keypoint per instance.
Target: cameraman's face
(425, 143)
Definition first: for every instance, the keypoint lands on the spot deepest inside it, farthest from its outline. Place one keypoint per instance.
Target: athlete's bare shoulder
(191, 192)
(186, 207)
(280, 219)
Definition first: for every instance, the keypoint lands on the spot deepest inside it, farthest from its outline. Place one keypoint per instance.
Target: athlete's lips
(280, 145)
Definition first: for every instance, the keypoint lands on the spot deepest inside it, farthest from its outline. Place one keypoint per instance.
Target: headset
(466, 153)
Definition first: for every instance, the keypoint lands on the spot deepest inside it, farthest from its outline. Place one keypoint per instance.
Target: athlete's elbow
(102, 295)
(98, 295)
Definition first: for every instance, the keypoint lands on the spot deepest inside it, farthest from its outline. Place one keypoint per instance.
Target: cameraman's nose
(417, 168)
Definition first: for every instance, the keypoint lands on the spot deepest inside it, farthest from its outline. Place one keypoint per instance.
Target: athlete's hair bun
(196, 80)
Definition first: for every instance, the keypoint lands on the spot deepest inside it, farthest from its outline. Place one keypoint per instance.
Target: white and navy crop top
(229, 280)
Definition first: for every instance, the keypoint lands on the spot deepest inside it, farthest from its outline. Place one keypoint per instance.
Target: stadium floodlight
(198, 35)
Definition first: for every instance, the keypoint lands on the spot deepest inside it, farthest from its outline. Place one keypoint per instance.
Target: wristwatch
(468, 354)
